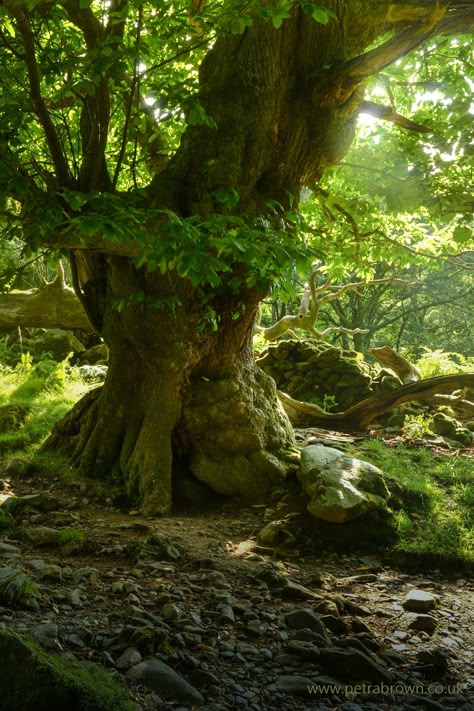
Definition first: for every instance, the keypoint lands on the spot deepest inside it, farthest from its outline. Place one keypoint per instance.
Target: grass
(432, 502)
(48, 391)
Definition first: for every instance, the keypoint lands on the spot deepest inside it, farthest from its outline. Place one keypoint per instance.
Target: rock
(292, 684)
(353, 665)
(276, 533)
(425, 623)
(58, 344)
(340, 488)
(18, 467)
(437, 657)
(160, 677)
(300, 648)
(226, 613)
(306, 619)
(51, 573)
(129, 658)
(295, 591)
(46, 635)
(32, 679)
(9, 551)
(92, 373)
(420, 601)
(94, 355)
(16, 588)
(218, 580)
(157, 546)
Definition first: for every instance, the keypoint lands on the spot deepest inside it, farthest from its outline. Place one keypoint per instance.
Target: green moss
(32, 679)
(432, 502)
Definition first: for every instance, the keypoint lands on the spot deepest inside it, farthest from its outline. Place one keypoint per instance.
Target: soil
(225, 539)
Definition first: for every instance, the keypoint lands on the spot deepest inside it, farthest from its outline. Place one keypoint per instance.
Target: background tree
(165, 148)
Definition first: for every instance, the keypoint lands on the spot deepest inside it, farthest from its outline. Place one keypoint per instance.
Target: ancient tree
(163, 147)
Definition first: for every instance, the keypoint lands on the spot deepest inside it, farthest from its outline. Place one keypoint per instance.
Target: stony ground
(192, 613)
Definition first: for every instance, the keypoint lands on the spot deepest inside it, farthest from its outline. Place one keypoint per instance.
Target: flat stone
(292, 684)
(353, 665)
(129, 658)
(420, 601)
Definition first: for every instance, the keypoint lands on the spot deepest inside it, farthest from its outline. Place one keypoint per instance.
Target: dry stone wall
(316, 372)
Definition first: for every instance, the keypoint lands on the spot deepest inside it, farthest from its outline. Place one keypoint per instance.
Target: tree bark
(176, 395)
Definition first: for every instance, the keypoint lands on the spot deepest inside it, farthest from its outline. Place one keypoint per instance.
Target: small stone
(426, 623)
(170, 611)
(420, 601)
(128, 658)
(256, 628)
(306, 619)
(51, 572)
(226, 614)
(294, 685)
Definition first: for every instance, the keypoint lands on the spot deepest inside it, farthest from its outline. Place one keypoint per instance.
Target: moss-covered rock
(340, 488)
(32, 679)
(311, 370)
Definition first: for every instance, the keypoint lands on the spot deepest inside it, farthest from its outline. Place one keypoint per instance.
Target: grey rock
(16, 588)
(160, 677)
(292, 684)
(46, 635)
(129, 658)
(420, 601)
(300, 648)
(424, 623)
(306, 619)
(340, 488)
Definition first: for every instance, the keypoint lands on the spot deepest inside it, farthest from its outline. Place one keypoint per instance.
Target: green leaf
(462, 235)
(321, 14)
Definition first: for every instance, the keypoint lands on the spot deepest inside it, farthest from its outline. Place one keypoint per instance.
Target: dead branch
(360, 416)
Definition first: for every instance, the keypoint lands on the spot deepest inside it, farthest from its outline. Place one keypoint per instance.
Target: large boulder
(340, 488)
(57, 343)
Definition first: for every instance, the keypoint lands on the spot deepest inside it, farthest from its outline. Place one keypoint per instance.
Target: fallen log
(360, 416)
(53, 305)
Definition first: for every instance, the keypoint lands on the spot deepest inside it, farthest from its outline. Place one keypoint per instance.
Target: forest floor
(202, 616)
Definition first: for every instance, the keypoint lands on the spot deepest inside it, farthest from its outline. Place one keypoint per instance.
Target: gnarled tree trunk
(175, 389)
(284, 103)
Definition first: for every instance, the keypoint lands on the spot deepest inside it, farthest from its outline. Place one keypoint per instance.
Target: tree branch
(386, 113)
(54, 144)
(360, 416)
(357, 70)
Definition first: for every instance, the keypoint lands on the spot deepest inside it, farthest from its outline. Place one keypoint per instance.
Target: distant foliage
(434, 363)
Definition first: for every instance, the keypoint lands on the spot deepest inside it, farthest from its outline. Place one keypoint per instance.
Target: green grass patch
(432, 501)
(47, 391)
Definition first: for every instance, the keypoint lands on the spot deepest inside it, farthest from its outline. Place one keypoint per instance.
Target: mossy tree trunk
(285, 103)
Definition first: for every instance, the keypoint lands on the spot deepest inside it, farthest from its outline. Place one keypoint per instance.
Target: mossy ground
(432, 501)
(32, 679)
